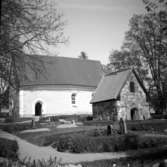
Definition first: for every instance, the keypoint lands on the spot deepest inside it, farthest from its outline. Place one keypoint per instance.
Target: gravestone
(123, 127)
(108, 130)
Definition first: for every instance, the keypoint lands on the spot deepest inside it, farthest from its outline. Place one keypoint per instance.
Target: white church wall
(55, 102)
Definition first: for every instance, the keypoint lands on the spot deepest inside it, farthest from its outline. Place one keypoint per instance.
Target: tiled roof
(110, 86)
(65, 71)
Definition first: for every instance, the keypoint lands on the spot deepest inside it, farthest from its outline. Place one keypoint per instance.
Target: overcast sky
(96, 26)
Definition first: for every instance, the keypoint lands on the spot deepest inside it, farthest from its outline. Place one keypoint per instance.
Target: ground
(26, 149)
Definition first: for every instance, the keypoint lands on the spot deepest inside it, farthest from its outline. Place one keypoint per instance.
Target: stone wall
(129, 106)
(105, 110)
(133, 101)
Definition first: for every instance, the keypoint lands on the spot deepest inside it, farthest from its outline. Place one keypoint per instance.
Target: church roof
(111, 85)
(63, 71)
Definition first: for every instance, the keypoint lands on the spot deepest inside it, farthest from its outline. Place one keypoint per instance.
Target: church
(74, 86)
(63, 87)
(121, 94)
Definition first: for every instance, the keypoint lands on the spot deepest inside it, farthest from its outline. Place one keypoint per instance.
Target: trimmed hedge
(8, 149)
(147, 125)
(13, 127)
(79, 143)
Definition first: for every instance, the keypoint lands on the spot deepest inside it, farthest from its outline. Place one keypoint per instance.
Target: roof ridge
(118, 71)
(62, 57)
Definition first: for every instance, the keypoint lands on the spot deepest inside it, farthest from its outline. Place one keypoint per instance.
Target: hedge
(79, 143)
(8, 149)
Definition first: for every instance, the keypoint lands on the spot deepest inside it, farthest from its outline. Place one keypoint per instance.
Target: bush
(148, 142)
(13, 127)
(131, 141)
(89, 118)
(9, 119)
(78, 143)
(147, 125)
(4, 114)
(159, 116)
(8, 149)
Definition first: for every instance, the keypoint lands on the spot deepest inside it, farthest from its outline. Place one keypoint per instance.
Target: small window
(147, 98)
(73, 98)
(119, 97)
(132, 87)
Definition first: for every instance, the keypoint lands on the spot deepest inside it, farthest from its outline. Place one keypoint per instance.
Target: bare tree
(26, 26)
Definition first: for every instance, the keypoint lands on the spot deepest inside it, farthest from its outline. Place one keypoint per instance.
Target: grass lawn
(39, 138)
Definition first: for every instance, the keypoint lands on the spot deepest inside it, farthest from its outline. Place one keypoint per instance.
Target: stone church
(121, 95)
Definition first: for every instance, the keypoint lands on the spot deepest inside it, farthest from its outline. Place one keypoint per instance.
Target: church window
(119, 97)
(132, 86)
(73, 98)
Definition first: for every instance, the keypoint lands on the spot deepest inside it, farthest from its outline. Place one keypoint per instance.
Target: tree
(145, 48)
(158, 6)
(147, 35)
(26, 26)
(154, 5)
(124, 59)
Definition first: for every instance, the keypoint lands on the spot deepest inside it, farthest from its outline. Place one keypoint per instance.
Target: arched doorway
(134, 113)
(38, 109)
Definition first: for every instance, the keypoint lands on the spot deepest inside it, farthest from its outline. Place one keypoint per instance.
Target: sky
(96, 27)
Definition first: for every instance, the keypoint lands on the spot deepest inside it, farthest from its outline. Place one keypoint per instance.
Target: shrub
(131, 141)
(78, 143)
(14, 127)
(148, 142)
(147, 125)
(89, 118)
(9, 119)
(8, 149)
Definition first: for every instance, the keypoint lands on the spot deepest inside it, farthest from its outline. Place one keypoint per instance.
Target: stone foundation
(105, 110)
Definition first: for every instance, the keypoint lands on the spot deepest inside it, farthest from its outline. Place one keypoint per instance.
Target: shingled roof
(65, 71)
(111, 84)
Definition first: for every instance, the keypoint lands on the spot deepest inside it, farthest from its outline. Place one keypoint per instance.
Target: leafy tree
(147, 36)
(145, 48)
(153, 5)
(124, 59)
(158, 6)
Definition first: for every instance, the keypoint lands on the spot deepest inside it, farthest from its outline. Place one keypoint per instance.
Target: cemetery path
(34, 152)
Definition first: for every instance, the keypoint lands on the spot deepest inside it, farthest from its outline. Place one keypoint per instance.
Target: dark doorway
(38, 109)
(133, 113)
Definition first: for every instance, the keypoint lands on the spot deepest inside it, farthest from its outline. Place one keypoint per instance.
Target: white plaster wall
(55, 102)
